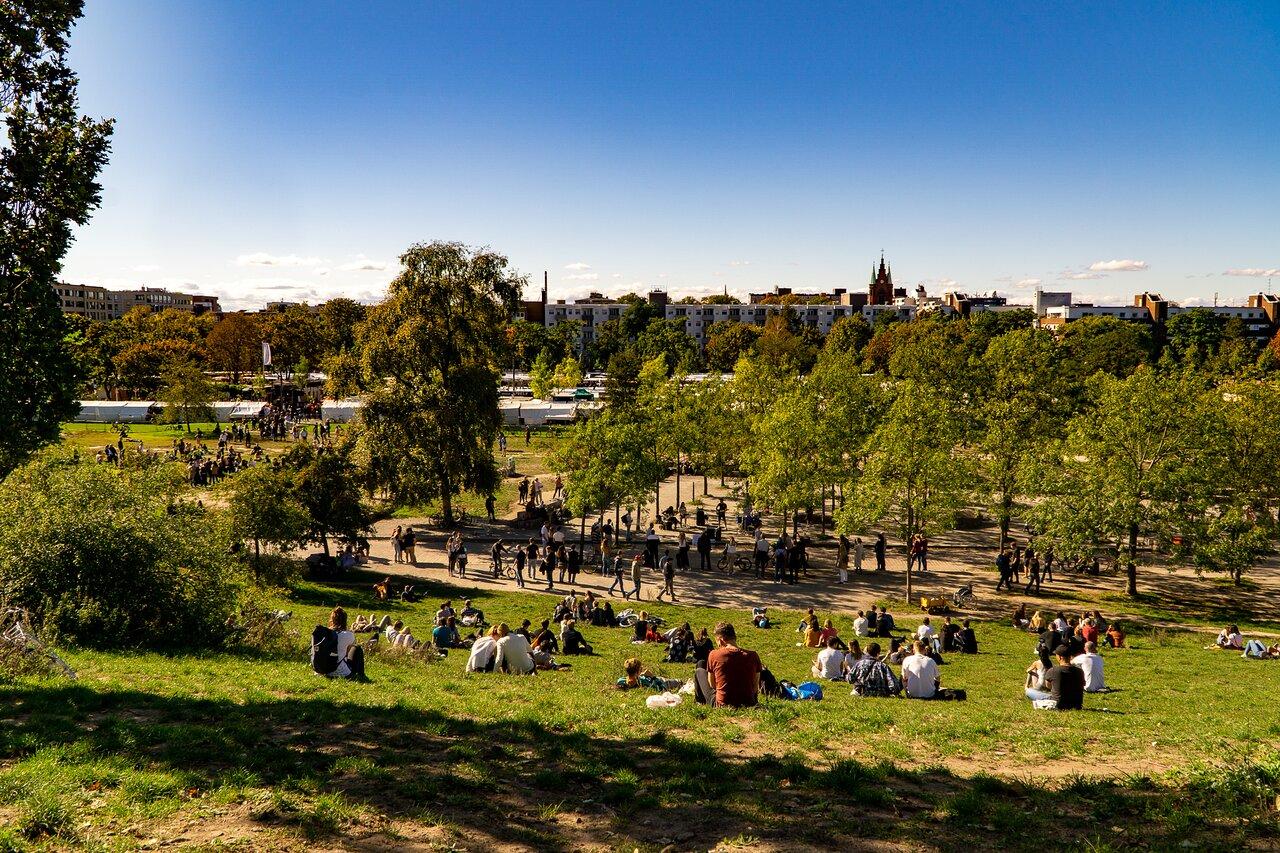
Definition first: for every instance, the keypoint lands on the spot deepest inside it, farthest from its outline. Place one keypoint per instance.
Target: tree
(295, 334)
(622, 382)
(302, 374)
(914, 474)
(728, 341)
(782, 344)
(568, 374)
(1192, 337)
(140, 367)
(234, 344)
(339, 318)
(343, 375)
(609, 459)
(49, 164)
(669, 339)
(848, 334)
(324, 481)
(542, 376)
(265, 508)
(1108, 345)
(1131, 464)
(429, 353)
(186, 393)
(1021, 408)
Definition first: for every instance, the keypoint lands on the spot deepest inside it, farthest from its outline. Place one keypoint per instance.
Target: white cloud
(718, 273)
(663, 275)
(146, 268)
(1081, 276)
(361, 263)
(581, 276)
(739, 263)
(1255, 272)
(322, 271)
(1126, 265)
(1004, 279)
(577, 266)
(263, 259)
(616, 275)
(1028, 282)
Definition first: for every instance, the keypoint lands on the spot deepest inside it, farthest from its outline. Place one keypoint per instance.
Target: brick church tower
(881, 287)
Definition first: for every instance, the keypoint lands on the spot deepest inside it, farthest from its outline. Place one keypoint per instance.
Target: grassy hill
(249, 749)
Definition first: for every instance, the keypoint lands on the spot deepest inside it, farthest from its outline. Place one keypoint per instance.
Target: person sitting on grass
(445, 611)
(472, 617)
(445, 636)
(546, 638)
(812, 633)
(524, 631)
(483, 652)
(950, 635)
(513, 654)
(574, 642)
(920, 673)
(597, 617)
(733, 673)
(382, 589)
(830, 663)
(884, 623)
(1061, 686)
(1090, 663)
(852, 655)
(1230, 638)
(897, 652)
(1037, 623)
(1115, 636)
(872, 676)
(636, 676)
(860, 626)
(967, 639)
(640, 630)
(702, 648)
(927, 635)
(760, 617)
(1020, 620)
(350, 654)
(830, 631)
(680, 644)
(540, 651)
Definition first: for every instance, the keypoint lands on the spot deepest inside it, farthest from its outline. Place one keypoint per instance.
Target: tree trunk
(324, 542)
(677, 478)
(257, 553)
(582, 532)
(446, 507)
(704, 482)
(1131, 570)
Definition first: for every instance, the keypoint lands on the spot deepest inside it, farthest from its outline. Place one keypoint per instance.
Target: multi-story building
(201, 304)
(87, 300)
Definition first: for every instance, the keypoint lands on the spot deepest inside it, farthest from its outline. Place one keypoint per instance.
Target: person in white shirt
(860, 626)
(513, 655)
(1091, 663)
(857, 554)
(350, 654)
(920, 674)
(830, 662)
(1060, 625)
(483, 652)
(925, 632)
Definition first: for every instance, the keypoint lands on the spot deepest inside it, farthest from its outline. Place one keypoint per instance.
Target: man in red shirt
(733, 673)
(1089, 631)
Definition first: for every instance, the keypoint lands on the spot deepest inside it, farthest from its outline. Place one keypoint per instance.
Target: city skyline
(291, 152)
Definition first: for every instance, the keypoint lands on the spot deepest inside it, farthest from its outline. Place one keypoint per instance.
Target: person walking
(615, 567)
(495, 553)
(668, 568)
(1004, 565)
(857, 555)
(842, 559)
(637, 566)
(879, 550)
(924, 553)
(1033, 573)
(520, 561)
(488, 507)
(704, 550)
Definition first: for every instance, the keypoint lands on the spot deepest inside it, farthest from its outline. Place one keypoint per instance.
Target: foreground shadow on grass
(514, 783)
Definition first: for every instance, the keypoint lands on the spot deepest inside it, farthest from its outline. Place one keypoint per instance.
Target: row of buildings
(1052, 309)
(99, 303)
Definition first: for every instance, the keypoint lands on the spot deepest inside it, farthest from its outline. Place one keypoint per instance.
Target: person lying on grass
(635, 675)
(398, 635)
(733, 673)
(1060, 687)
(370, 623)
(872, 677)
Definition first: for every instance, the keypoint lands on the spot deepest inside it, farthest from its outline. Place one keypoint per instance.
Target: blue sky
(293, 150)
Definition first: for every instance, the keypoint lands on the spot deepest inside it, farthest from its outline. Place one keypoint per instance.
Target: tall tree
(339, 318)
(234, 344)
(914, 474)
(324, 481)
(430, 353)
(265, 509)
(186, 393)
(1130, 465)
(50, 157)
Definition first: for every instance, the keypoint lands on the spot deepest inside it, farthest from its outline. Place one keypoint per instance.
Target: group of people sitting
(1090, 626)
(1230, 639)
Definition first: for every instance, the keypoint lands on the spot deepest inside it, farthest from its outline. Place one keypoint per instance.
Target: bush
(107, 556)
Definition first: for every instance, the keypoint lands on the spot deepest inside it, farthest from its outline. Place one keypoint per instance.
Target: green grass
(92, 437)
(145, 744)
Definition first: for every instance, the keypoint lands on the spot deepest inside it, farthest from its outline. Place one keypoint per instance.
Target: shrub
(108, 556)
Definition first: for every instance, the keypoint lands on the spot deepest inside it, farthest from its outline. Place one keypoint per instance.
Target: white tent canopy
(342, 411)
(111, 411)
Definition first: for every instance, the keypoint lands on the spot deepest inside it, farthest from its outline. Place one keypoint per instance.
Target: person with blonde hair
(513, 654)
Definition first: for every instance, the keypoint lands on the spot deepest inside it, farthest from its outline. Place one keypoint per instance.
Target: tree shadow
(515, 783)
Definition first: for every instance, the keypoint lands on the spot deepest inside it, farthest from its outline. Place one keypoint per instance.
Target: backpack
(324, 650)
(787, 690)
(809, 690)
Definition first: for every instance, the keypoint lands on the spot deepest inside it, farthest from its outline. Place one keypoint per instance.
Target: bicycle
(739, 563)
(963, 596)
